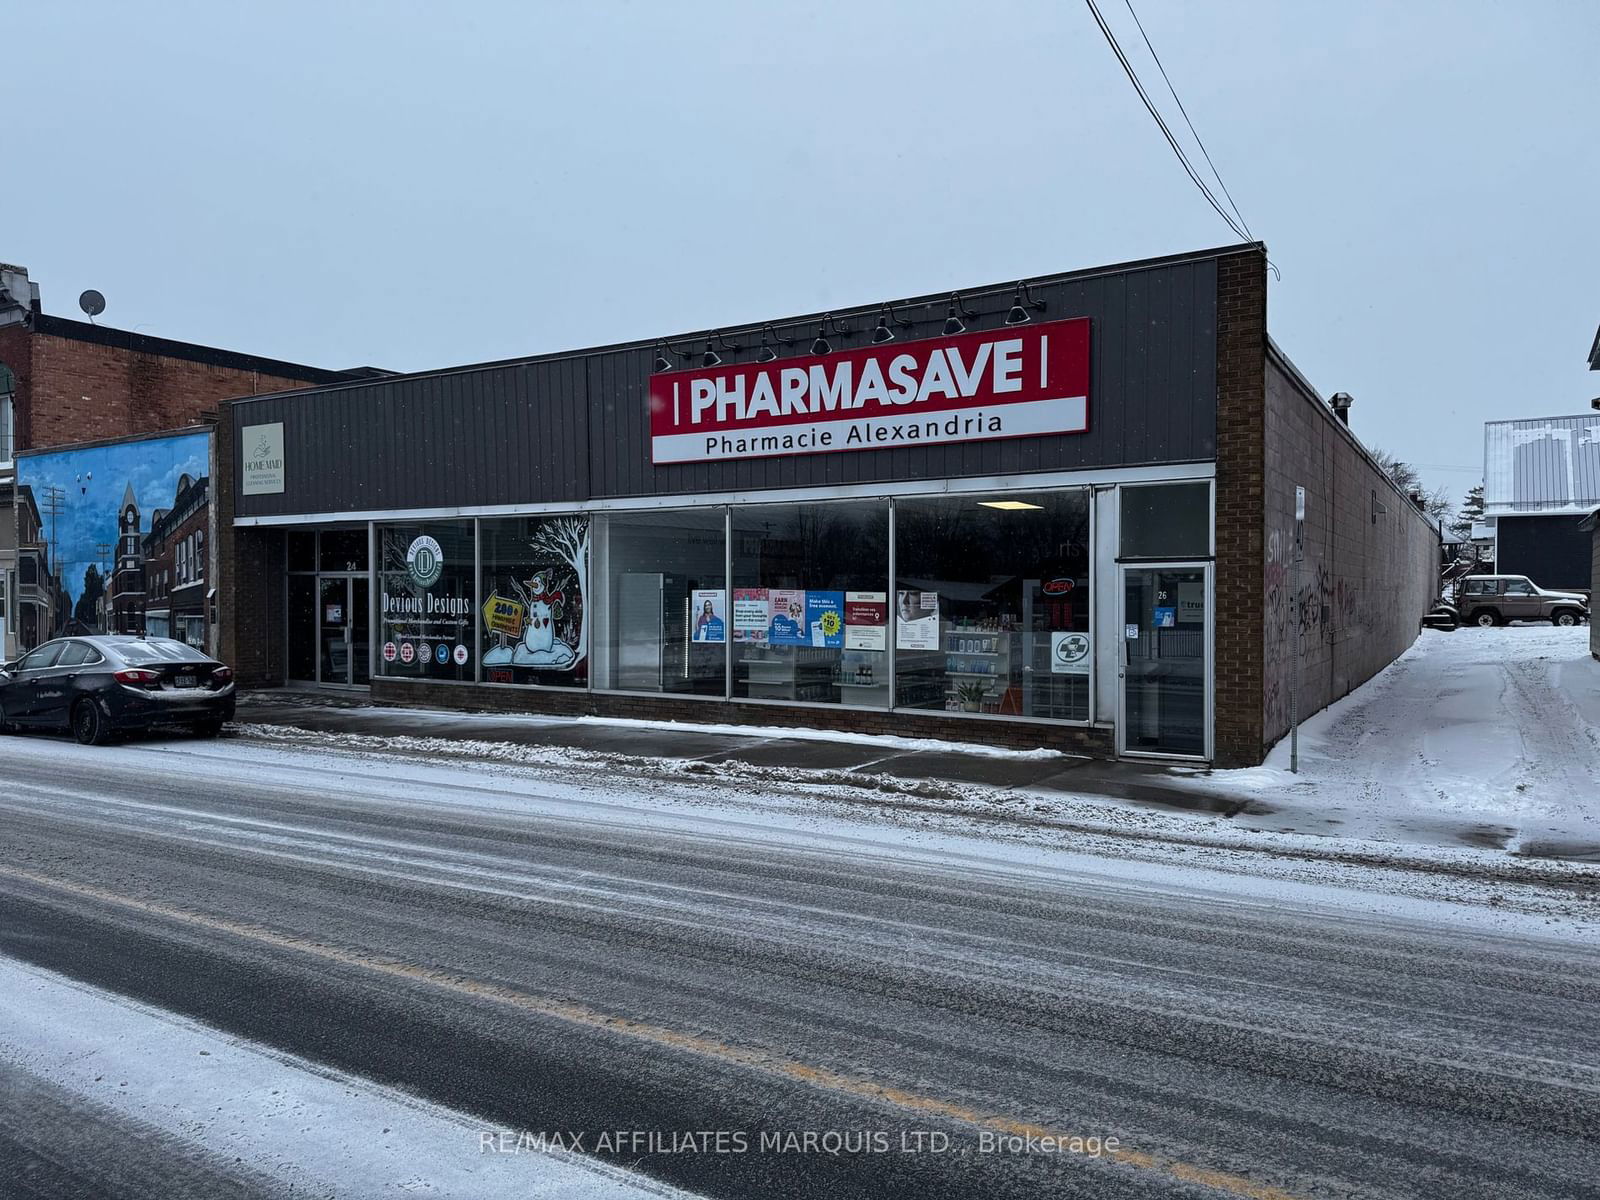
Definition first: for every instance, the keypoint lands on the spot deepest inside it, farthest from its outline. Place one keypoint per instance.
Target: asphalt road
(556, 956)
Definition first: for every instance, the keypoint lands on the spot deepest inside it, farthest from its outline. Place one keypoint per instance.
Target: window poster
(825, 619)
(1191, 603)
(752, 614)
(918, 625)
(866, 620)
(788, 627)
(709, 615)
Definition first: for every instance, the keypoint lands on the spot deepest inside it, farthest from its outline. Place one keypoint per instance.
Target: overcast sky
(417, 185)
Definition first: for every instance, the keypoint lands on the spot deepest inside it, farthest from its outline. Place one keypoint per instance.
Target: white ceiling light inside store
(1011, 505)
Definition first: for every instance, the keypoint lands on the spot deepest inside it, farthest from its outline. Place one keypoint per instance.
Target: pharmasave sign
(1022, 381)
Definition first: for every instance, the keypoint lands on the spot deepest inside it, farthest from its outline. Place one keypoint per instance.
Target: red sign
(1058, 587)
(1020, 381)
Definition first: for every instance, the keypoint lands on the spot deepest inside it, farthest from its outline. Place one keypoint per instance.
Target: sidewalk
(1146, 783)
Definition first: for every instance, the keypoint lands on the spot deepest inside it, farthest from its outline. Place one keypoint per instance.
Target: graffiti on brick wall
(1325, 603)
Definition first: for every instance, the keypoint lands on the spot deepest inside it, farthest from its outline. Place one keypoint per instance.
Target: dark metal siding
(1551, 551)
(577, 428)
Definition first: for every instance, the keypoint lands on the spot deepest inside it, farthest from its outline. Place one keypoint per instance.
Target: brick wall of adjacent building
(70, 390)
(1241, 469)
(249, 566)
(1367, 577)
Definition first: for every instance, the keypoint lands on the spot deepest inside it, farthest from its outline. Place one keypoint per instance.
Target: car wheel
(1485, 620)
(207, 729)
(5, 725)
(88, 724)
(1564, 618)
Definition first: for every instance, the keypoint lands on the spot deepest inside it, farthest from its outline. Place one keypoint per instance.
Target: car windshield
(158, 650)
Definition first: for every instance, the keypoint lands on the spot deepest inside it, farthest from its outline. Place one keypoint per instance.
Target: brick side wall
(1363, 586)
(1241, 465)
(81, 391)
(1012, 734)
(250, 592)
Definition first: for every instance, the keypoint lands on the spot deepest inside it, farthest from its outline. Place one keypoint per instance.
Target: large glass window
(992, 604)
(809, 611)
(425, 601)
(665, 624)
(1166, 520)
(536, 601)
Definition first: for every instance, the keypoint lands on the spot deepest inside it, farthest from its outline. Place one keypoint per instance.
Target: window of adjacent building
(1166, 521)
(992, 604)
(536, 612)
(808, 614)
(425, 601)
(665, 622)
(7, 396)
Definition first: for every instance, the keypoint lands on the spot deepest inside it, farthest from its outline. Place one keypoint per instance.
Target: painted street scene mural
(116, 540)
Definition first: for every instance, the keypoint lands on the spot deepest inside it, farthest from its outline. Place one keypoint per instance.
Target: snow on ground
(967, 828)
(789, 733)
(1495, 728)
(311, 1128)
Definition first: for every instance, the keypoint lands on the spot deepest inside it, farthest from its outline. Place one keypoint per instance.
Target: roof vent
(1341, 403)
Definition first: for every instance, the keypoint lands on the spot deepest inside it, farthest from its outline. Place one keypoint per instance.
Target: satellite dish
(92, 302)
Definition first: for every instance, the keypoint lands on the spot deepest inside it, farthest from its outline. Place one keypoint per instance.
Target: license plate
(187, 681)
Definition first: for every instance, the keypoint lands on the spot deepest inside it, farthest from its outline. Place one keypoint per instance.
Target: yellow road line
(576, 1014)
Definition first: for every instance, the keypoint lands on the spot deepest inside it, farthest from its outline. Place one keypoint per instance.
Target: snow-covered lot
(1491, 733)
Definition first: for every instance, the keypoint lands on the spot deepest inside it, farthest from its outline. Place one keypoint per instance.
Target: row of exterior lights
(888, 320)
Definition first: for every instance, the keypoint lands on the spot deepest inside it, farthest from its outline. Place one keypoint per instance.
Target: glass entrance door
(360, 631)
(334, 614)
(1163, 675)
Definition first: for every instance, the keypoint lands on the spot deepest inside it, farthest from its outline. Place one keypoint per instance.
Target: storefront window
(665, 624)
(808, 616)
(536, 601)
(1166, 520)
(343, 550)
(992, 604)
(425, 602)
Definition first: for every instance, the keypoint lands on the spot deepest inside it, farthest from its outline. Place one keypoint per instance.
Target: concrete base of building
(1014, 735)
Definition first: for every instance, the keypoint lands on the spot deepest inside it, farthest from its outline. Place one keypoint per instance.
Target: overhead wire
(1160, 66)
(1235, 220)
(1138, 86)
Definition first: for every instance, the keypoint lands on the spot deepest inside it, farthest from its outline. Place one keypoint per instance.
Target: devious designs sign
(1021, 381)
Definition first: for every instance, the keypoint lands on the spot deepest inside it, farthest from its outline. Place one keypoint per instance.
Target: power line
(1240, 229)
(1162, 68)
(1133, 78)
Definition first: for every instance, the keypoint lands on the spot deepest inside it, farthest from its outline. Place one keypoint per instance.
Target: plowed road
(496, 953)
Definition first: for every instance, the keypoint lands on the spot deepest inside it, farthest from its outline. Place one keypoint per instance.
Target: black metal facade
(575, 427)
(1554, 552)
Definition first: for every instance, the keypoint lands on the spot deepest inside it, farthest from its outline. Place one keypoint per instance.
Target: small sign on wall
(261, 460)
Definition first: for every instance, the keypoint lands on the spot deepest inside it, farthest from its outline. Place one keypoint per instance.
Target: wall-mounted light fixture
(822, 345)
(769, 335)
(1021, 303)
(883, 331)
(664, 363)
(953, 323)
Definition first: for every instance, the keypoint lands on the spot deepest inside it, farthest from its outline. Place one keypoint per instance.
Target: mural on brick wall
(122, 539)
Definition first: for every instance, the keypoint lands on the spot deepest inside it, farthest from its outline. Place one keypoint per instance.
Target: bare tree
(1436, 504)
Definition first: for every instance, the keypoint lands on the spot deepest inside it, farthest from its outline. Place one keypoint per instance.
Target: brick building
(1056, 513)
(64, 382)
